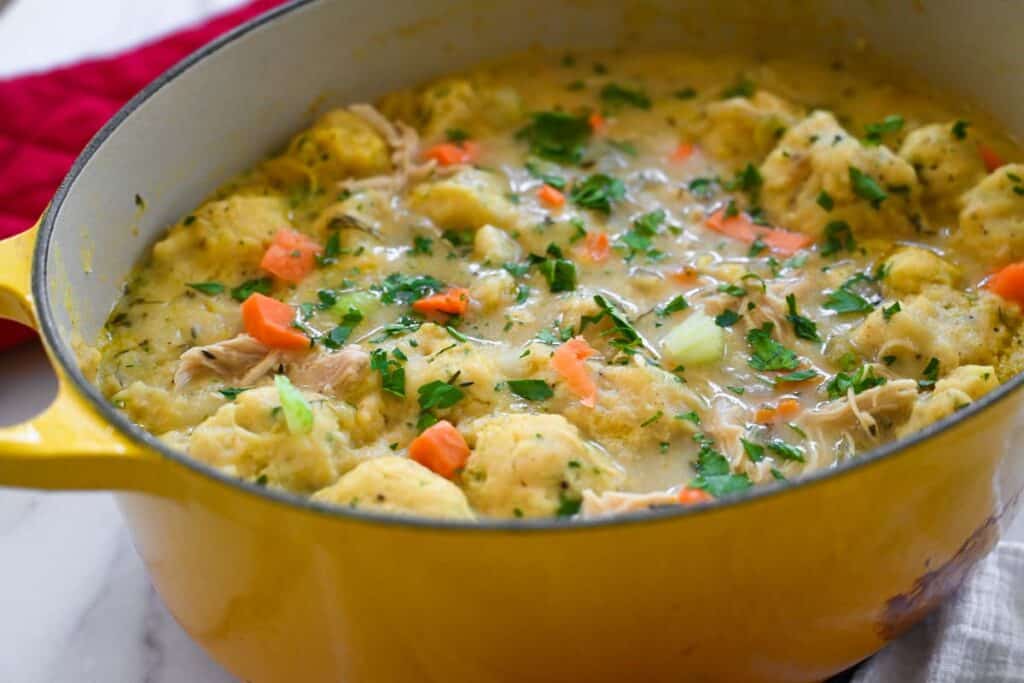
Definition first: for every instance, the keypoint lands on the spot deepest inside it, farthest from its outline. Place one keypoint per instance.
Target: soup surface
(581, 285)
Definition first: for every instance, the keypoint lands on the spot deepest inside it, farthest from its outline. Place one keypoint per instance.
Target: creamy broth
(582, 284)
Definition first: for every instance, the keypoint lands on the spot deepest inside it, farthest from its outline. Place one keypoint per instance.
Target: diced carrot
(692, 496)
(551, 197)
(452, 301)
(741, 228)
(597, 246)
(440, 448)
(683, 152)
(765, 415)
(452, 153)
(1008, 282)
(291, 256)
(788, 408)
(686, 275)
(990, 157)
(568, 360)
(269, 321)
(598, 124)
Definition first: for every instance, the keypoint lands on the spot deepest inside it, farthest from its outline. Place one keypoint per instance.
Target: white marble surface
(75, 603)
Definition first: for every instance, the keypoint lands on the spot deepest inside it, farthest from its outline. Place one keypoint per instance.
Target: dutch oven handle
(69, 445)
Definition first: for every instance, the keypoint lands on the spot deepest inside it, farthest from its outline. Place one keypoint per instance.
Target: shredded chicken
(617, 502)
(242, 358)
(863, 410)
(404, 142)
(725, 423)
(244, 361)
(331, 373)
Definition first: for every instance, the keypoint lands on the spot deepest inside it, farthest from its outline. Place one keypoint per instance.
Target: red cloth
(47, 118)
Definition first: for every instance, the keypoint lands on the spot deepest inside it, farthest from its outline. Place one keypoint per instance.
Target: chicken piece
(245, 361)
(946, 164)
(398, 486)
(874, 191)
(619, 502)
(992, 218)
(953, 392)
(911, 269)
(533, 466)
(741, 129)
(869, 412)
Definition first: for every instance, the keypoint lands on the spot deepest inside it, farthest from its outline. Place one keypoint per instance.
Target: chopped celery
(364, 302)
(297, 413)
(695, 341)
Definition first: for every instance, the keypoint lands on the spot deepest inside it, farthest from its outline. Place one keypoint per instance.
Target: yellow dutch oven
(792, 583)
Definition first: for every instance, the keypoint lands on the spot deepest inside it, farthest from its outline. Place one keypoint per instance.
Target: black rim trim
(68, 363)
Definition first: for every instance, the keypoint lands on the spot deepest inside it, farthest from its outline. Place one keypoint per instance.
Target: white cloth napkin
(978, 637)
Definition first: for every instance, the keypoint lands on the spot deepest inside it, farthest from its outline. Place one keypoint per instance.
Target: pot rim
(65, 356)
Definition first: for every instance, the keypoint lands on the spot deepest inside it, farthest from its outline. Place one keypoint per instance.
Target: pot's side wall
(789, 588)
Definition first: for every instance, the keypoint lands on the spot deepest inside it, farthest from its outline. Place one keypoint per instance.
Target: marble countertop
(75, 603)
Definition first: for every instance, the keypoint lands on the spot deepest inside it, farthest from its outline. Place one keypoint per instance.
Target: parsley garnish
(825, 201)
(626, 337)
(560, 274)
(615, 95)
(803, 327)
(867, 187)
(786, 451)
(862, 380)
(231, 393)
(714, 475)
(677, 304)
(753, 450)
(701, 187)
(875, 131)
(930, 374)
(732, 290)
(531, 389)
(557, 136)
(685, 94)
(768, 354)
(438, 394)
(638, 240)
(845, 300)
(337, 337)
(567, 507)
(207, 288)
(422, 245)
(838, 236)
(398, 288)
(456, 135)
(392, 374)
(250, 287)
(890, 311)
(691, 416)
(960, 130)
(727, 318)
(744, 87)
(798, 376)
(652, 419)
(332, 249)
(534, 169)
(598, 192)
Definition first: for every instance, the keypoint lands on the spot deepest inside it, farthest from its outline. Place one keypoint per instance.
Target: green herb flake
(685, 94)
(838, 236)
(768, 354)
(889, 311)
(405, 289)
(337, 337)
(843, 300)
(231, 393)
(874, 132)
(743, 87)
(559, 273)
(753, 450)
(614, 95)
(786, 451)
(538, 172)
(798, 376)
(691, 416)
(867, 187)
(439, 395)
(249, 287)
(727, 318)
(652, 419)
(825, 201)
(960, 130)
(531, 389)
(207, 288)
(803, 327)
(598, 192)
(714, 475)
(677, 304)
(930, 375)
(862, 380)
(557, 136)
(392, 374)
(422, 245)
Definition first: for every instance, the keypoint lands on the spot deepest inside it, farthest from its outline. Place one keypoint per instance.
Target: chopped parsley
(889, 311)
(825, 201)
(615, 95)
(623, 335)
(531, 389)
(392, 374)
(867, 187)
(732, 290)
(652, 419)
(422, 245)
(930, 375)
(714, 475)
(456, 135)
(685, 94)
(638, 240)
(555, 181)
(559, 273)
(405, 289)
(743, 87)
(438, 394)
(557, 136)
(768, 354)
(702, 188)
(231, 393)
(845, 300)
(598, 192)
(332, 249)
(797, 376)
(803, 327)
(249, 287)
(727, 318)
(677, 304)
(567, 507)
(874, 132)
(753, 450)
(337, 337)
(838, 236)
(691, 416)
(862, 380)
(786, 451)
(748, 179)
(960, 130)
(207, 288)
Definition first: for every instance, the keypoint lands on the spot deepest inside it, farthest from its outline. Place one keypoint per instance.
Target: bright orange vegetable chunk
(597, 246)
(452, 153)
(269, 321)
(741, 228)
(692, 496)
(452, 301)
(598, 124)
(291, 256)
(568, 361)
(788, 408)
(765, 415)
(1008, 282)
(683, 152)
(440, 448)
(551, 197)
(990, 157)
